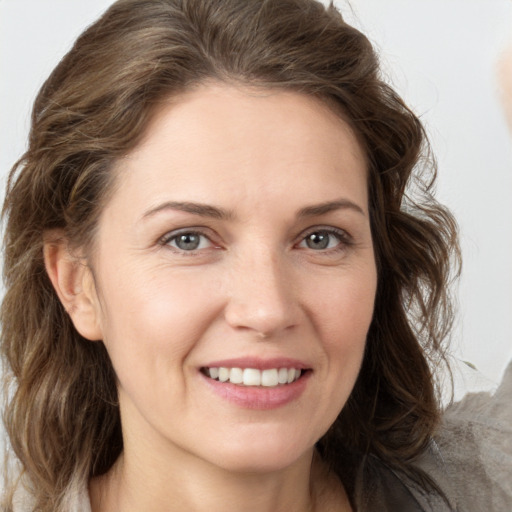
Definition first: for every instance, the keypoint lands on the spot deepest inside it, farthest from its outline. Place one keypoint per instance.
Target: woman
(219, 294)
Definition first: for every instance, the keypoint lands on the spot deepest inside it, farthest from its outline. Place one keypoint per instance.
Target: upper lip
(258, 363)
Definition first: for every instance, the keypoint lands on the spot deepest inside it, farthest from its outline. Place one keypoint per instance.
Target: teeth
(236, 376)
(269, 378)
(223, 374)
(282, 376)
(253, 377)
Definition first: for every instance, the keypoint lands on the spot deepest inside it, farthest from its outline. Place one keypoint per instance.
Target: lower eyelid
(342, 237)
(172, 236)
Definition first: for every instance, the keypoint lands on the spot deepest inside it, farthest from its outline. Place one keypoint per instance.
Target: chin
(261, 465)
(262, 453)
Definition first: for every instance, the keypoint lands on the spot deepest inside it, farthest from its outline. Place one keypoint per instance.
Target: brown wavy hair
(61, 413)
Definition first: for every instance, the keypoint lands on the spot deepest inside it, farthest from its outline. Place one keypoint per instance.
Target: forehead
(208, 107)
(236, 141)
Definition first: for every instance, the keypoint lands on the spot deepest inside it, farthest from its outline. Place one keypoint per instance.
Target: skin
(254, 287)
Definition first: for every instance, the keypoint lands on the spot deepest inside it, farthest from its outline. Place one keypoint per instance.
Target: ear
(74, 284)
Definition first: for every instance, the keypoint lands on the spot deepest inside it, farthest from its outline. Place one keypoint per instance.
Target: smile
(272, 377)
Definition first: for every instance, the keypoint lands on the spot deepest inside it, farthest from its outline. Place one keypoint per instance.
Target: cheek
(342, 317)
(342, 320)
(147, 319)
(345, 305)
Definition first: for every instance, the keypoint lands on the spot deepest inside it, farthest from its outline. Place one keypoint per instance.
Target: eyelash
(168, 238)
(344, 239)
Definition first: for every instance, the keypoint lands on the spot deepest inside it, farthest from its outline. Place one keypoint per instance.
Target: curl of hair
(61, 413)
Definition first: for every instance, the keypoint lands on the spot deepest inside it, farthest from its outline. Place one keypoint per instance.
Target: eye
(324, 239)
(187, 241)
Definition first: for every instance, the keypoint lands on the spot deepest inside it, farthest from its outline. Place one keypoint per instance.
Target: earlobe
(73, 282)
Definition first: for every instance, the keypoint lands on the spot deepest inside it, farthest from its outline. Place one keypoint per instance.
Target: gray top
(470, 461)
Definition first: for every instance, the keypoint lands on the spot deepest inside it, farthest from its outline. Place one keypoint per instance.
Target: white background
(440, 55)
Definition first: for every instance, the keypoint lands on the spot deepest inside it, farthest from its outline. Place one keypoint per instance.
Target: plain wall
(439, 54)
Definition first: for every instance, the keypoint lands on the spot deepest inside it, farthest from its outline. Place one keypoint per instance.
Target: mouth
(253, 377)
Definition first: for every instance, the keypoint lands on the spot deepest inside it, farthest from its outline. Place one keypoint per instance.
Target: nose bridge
(261, 297)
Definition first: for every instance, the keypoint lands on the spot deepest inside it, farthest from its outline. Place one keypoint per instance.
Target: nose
(262, 296)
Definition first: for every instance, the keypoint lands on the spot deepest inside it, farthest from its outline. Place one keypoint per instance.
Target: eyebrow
(203, 210)
(214, 212)
(329, 206)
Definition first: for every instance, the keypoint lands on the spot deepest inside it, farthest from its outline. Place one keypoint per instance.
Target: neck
(128, 487)
(304, 487)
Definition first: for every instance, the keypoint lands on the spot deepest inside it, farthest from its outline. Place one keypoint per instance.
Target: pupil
(188, 242)
(319, 240)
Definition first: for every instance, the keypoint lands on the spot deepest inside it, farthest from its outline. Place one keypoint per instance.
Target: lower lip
(259, 398)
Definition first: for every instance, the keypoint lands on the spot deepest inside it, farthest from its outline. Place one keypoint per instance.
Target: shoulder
(475, 448)
(467, 466)
(382, 488)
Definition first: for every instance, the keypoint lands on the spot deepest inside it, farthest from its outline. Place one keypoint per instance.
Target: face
(235, 277)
